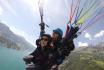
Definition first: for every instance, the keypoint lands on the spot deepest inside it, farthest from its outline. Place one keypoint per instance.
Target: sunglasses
(44, 39)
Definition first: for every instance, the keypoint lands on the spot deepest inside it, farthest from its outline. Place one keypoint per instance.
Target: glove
(28, 59)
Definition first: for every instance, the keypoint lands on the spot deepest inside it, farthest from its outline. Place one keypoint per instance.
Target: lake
(12, 59)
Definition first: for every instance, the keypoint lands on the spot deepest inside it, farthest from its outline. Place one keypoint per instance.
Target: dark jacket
(64, 47)
(46, 57)
(68, 47)
(40, 55)
(58, 47)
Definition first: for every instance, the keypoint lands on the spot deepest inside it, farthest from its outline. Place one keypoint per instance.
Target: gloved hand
(54, 67)
(30, 66)
(28, 59)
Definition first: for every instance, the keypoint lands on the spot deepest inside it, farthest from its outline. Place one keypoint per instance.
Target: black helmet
(48, 36)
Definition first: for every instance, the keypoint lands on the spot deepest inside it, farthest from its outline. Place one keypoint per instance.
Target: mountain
(85, 58)
(11, 40)
(101, 44)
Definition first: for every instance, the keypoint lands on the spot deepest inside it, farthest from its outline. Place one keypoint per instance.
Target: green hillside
(86, 59)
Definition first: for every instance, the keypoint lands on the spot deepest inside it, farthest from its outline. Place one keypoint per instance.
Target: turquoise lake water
(12, 59)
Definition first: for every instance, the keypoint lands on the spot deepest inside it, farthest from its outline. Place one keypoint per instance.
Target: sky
(23, 18)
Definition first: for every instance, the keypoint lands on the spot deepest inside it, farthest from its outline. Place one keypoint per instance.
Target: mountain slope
(11, 40)
(89, 58)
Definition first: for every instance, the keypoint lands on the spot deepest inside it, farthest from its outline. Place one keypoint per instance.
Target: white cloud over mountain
(100, 34)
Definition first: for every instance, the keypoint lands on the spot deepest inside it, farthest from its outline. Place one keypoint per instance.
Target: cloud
(19, 32)
(100, 34)
(32, 4)
(80, 44)
(1, 10)
(87, 35)
(102, 3)
(66, 3)
(7, 6)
